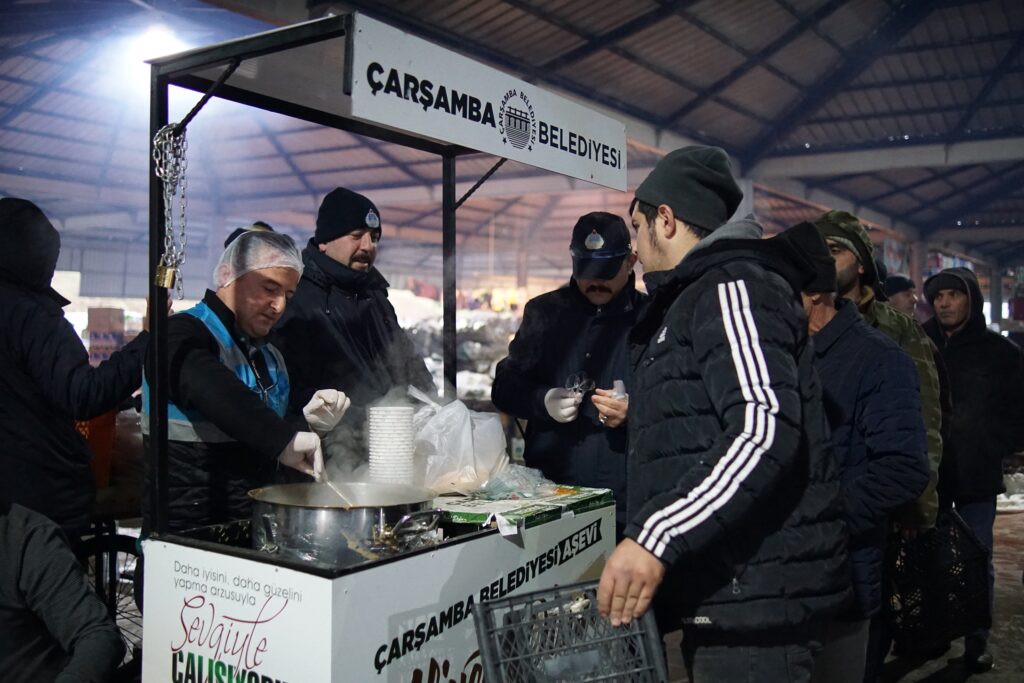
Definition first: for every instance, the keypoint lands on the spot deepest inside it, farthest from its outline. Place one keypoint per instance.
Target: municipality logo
(517, 121)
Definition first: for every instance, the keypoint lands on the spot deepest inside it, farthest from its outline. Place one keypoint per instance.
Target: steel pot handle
(414, 522)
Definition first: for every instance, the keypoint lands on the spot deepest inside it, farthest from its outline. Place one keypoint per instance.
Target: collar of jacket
(221, 310)
(740, 240)
(49, 296)
(325, 272)
(846, 317)
(622, 303)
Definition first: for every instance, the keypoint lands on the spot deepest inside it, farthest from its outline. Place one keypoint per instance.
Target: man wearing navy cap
(340, 330)
(562, 365)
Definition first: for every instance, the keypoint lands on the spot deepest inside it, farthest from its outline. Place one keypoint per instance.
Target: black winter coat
(340, 331)
(732, 483)
(46, 383)
(873, 403)
(986, 376)
(54, 626)
(563, 334)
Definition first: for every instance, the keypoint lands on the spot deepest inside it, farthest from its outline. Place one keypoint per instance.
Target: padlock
(165, 276)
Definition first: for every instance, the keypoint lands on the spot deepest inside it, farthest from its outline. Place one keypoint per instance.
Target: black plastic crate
(940, 586)
(558, 636)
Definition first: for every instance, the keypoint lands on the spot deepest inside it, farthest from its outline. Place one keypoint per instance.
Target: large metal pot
(309, 521)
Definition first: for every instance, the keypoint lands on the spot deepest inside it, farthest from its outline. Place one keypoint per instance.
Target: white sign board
(410, 84)
(210, 617)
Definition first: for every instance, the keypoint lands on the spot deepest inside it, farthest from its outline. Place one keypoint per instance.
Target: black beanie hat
(896, 283)
(31, 247)
(343, 211)
(807, 243)
(697, 183)
(258, 226)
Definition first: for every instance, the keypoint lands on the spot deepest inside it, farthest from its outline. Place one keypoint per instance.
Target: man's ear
(631, 259)
(668, 217)
(322, 248)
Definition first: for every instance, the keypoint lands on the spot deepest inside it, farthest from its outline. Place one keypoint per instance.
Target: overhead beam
(829, 200)
(894, 27)
(1012, 179)
(1008, 61)
(974, 234)
(621, 32)
(884, 159)
(757, 59)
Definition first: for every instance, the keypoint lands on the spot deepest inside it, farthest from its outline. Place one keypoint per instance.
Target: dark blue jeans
(746, 660)
(981, 517)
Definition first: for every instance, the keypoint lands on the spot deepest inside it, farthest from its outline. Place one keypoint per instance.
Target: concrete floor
(1006, 643)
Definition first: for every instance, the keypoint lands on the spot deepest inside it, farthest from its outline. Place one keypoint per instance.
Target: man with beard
(733, 502)
(579, 331)
(869, 386)
(857, 280)
(986, 376)
(340, 330)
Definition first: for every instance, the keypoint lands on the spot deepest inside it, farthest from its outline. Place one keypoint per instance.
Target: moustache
(598, 288)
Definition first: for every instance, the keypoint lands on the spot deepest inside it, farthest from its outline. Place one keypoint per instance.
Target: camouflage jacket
(912, 338)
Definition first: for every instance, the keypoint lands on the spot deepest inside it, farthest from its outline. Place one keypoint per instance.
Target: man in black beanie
(733, 503)
(986, 377)
(901, 293)
(869, 386)
(576, 433)
(339, 330)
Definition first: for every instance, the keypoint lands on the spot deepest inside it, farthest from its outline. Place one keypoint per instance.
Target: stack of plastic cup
(391, 443)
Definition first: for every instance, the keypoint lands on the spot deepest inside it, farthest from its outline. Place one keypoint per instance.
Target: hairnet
(256, 251)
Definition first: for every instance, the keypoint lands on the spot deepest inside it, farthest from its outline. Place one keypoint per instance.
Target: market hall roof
(909, 112)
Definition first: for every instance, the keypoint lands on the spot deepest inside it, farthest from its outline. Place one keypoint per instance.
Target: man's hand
(304, 454)
(562, 404)
(325, 410)
(611, 411)
(628, 583)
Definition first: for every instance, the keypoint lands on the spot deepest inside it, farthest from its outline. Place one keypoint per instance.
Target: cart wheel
(110, 563)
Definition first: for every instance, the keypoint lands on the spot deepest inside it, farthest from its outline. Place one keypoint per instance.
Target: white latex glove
(303, 453)
(562, 404)
(325, 410)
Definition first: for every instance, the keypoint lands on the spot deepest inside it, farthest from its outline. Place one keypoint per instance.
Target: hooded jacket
(340, 331)
(592, 340)
(986, 377)
(46, 382)
(732, 483)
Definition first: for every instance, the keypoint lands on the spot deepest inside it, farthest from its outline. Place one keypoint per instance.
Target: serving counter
(216, 610)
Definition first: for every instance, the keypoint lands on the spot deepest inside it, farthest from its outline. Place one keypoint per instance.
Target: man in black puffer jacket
(46, 382)
(986, 376)
(733, 491)
(576, 437)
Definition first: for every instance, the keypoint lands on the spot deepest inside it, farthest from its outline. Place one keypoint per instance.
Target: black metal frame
(178, 70)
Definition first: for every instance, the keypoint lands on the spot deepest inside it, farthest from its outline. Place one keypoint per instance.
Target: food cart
(215, 609)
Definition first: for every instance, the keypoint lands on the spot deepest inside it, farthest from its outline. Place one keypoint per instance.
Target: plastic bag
(461, 448)
(517, 481)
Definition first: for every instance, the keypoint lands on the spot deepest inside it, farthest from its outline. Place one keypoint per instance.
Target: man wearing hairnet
(229, 389)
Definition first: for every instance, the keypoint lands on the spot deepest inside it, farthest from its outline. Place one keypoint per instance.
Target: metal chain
(169, 155)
